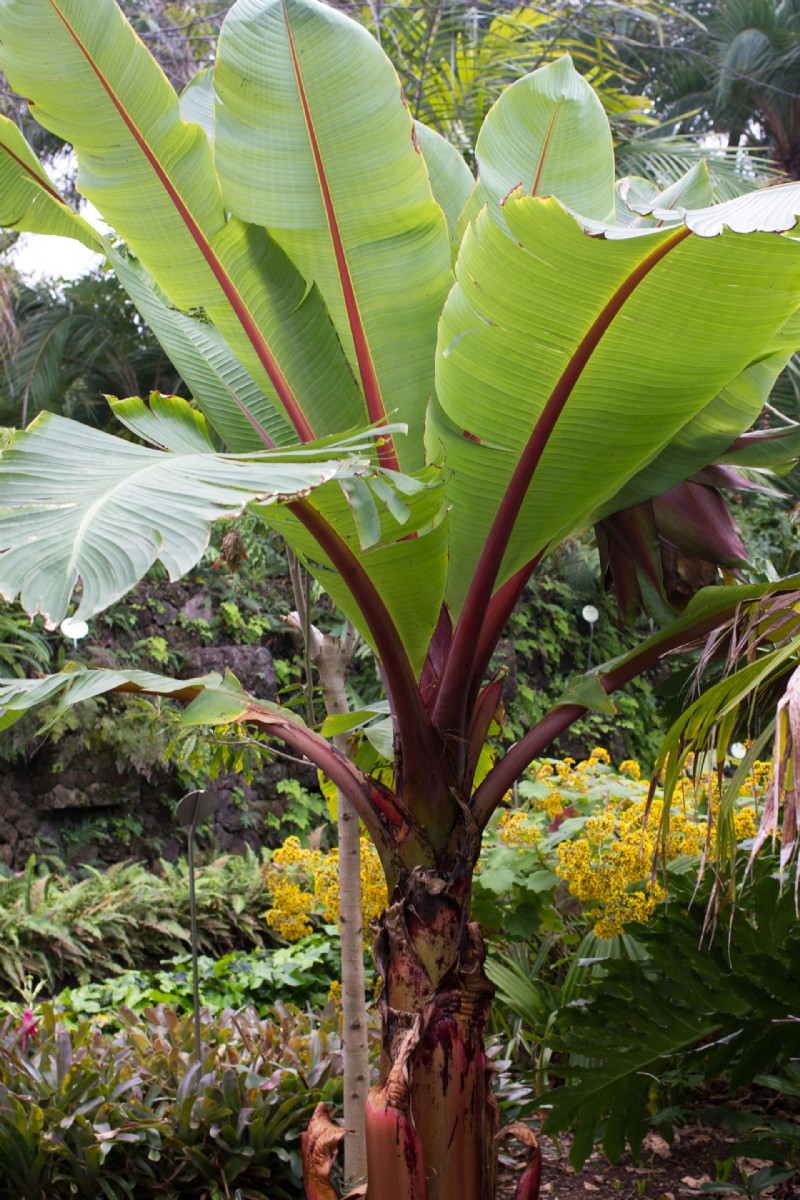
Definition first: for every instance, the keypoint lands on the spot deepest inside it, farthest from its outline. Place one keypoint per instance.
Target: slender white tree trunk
(331, 656)
(332, 665)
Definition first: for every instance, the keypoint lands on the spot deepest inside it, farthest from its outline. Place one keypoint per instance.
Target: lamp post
(590, 614)
(74, 630)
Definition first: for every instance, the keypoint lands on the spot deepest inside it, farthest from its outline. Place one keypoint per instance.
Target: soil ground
(664, 1172)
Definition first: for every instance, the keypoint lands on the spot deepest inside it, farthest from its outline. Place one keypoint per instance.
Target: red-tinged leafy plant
(128, 1112)
(558, 352)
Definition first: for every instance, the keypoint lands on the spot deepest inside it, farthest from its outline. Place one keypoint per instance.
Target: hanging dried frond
(783, 788)
(9, 333)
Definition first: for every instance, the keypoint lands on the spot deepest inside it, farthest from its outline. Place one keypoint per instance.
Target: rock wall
(91, 811)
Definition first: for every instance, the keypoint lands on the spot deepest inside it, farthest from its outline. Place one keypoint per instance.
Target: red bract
(27, 1028)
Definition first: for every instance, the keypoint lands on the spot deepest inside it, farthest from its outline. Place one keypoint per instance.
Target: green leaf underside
(224, 390)
(549, 134)
(589, 691)
(340, 723)
(77, 502)
(707, 436)
(28, 200)
(215, 699)
(774, 451)
(298, 79)
(517, 317)
(639, 202)
(218, 705)
(77, 683)
(197, 101)
(396, 566)
(450, 177)
(151, 176)
(392, 565)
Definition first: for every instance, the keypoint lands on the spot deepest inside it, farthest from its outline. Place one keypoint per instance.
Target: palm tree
(454, 59)
(731, 68)
(64, 349)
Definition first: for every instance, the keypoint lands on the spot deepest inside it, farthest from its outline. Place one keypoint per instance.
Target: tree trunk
(432, 1120)
(331, 657)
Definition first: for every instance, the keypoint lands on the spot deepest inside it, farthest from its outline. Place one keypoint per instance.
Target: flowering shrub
(304, 884)
(584, 824)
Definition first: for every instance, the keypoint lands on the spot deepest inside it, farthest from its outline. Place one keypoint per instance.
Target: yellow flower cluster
(292, 904)
(611, 871)
(745, 821)
(567, 775)
(600, 755)
(305, 882)
(373, 887)
(611, 862)
(552, 804)
(335, 995)
(517, 829)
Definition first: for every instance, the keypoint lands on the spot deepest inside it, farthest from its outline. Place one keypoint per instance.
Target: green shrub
(53, 928)
(694, 1007)
(88, 1114)
(301, 973)
(23, 645)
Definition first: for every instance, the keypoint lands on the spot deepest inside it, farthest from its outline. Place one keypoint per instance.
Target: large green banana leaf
(81, 505)
(549, 135)
(151, 175)
(226, 382)
(450, 178)
(239, 410)
(709, 435)
(620, 343)
(28, 200)
(313, 140)
(396, 565)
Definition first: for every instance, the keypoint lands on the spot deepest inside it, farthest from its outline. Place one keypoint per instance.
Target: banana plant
(425, 381)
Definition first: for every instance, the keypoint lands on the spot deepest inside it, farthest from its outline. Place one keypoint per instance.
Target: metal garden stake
(191, 811)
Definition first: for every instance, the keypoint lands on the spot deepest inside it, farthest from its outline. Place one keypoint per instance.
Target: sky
(41, 256)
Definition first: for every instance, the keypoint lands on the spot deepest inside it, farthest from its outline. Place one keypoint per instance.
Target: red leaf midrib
(246, 320)
(369, 379)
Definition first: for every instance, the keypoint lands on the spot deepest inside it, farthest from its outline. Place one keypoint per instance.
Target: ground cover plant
(586, 994)
(305, 974)
(55, 927)
(595, 359)
(131, 1113)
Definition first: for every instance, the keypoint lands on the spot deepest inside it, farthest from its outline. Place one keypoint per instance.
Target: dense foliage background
(104, 1070)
